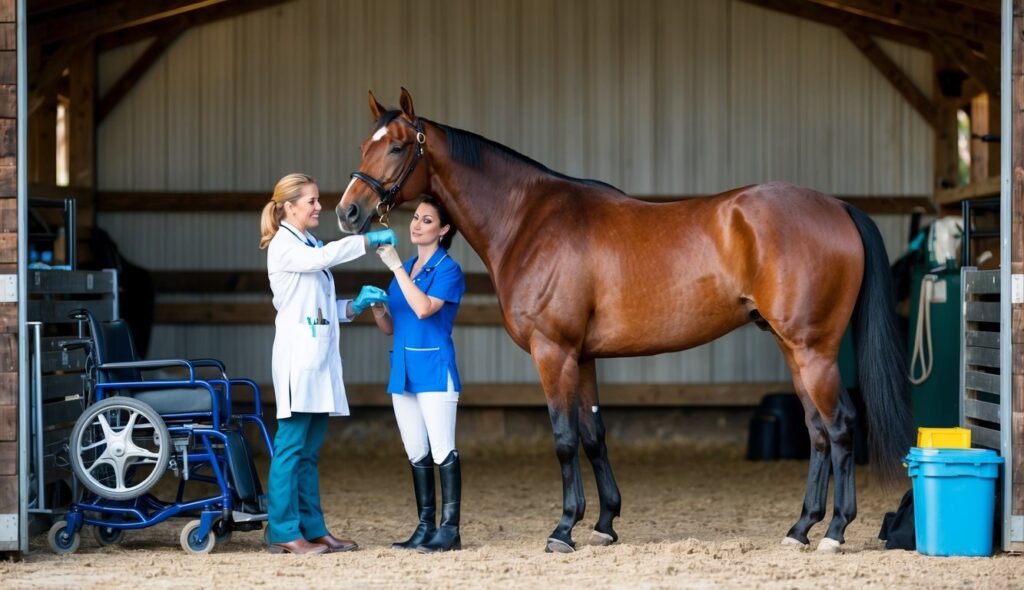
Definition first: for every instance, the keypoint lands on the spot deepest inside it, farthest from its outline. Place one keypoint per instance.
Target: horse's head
(389, 173)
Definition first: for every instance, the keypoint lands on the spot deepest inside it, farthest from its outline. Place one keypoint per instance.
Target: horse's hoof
(556, 546)
(602, 539)
(829, 546)
(793, 543)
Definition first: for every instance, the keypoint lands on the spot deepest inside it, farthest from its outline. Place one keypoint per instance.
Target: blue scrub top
(424, 354)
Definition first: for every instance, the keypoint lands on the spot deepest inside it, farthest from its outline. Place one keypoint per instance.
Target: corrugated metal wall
(654, 96)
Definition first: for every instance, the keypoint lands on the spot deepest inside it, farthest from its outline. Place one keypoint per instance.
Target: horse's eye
(396, 148)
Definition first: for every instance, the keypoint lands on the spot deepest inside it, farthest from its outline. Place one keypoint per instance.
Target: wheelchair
(133, 430)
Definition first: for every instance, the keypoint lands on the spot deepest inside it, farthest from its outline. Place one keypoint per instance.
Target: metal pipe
(71, 233)
(1012, 525)
(22, 180)
(37, 407)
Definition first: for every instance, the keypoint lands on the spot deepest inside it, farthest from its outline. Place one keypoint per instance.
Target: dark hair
(443, 218)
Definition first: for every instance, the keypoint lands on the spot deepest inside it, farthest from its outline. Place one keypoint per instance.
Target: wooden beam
(97, 18)
(44, 82)
(978, 67)
(894, 74)
(981, 189)
(807, 9)
(138, 69)
(233, 202)
(82, 119)
(255, 281)
(42, 148)
(531, 395)
(956, 20)
(945, 171)
(994, 7)
(206, 313)
(198, 17)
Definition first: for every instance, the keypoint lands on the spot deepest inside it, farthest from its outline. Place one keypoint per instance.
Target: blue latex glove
(368, 295)
(379, 238)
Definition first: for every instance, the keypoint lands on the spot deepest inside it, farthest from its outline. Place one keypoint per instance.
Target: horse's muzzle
(352, 220)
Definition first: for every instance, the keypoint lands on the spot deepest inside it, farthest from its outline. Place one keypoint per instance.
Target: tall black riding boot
(423, 484)
(447, 536)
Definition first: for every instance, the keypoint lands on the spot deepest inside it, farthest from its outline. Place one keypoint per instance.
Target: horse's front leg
(591, 426)
(559, 375)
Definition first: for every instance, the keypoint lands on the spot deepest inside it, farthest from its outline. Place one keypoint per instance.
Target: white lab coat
(307, 369)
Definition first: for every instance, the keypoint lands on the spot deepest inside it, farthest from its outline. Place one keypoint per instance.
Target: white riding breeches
(427, 422)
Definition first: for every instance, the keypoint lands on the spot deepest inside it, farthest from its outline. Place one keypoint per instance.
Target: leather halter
(387, 196)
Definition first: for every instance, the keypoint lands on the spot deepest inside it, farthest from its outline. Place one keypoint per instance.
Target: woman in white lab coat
(306, 361)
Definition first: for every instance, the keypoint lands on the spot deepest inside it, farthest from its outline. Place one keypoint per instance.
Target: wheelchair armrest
(75, 343)
(256, 399)
(206, 362)
(155, 364)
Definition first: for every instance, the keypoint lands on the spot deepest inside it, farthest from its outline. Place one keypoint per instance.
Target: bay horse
(583, 272)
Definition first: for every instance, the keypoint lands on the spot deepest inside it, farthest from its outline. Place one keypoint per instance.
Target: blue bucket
(954, 500)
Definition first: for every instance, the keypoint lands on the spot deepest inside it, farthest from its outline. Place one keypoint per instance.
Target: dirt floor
(691, 518)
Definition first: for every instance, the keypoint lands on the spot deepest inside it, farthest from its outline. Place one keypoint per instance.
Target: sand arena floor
(691, 518)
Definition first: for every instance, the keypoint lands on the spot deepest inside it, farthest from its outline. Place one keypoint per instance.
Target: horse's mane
(465, 146)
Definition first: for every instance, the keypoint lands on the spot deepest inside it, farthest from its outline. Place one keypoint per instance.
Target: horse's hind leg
(592, 436)
(559, 375)
(819, 374)
(818, 470)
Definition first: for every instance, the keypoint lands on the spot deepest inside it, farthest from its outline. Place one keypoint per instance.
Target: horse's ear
(406, 104)
(375, 107)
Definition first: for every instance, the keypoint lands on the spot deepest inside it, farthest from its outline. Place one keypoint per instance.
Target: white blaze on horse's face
(380, 133)
(337, 209)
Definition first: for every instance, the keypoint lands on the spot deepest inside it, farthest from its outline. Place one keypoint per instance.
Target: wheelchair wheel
(105, 535)
(223, 530)
(119, 448)
(61, 541)
(192, 543)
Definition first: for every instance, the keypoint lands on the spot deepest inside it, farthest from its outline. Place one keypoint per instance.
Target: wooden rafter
(892, 72)
(991, 6)
(128, 80)
(807, 9)
(97, 18)
(958, 21)
(206, 15)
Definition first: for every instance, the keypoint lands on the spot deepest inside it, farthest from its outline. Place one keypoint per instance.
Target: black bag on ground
(898, 527)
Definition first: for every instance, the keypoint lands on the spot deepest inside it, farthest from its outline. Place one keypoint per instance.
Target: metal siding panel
(185, 107)
(700, 99)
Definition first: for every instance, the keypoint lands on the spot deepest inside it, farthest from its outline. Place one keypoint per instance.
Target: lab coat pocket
(425, 368)
(312, 352)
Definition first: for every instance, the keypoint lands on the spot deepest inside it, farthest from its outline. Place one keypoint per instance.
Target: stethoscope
(307, 242)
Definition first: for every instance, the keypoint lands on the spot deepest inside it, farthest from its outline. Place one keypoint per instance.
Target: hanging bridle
(387, 196)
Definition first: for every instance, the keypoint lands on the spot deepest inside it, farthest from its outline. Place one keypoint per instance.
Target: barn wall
(655, 96)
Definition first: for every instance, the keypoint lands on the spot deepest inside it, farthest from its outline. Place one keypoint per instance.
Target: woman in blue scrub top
(424, 384)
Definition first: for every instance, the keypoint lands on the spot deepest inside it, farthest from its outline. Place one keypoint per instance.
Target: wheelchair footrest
(238, 516)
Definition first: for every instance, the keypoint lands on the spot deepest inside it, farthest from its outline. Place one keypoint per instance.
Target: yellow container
(943, 438)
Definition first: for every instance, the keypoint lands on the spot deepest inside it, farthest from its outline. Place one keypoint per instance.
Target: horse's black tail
(881, 360)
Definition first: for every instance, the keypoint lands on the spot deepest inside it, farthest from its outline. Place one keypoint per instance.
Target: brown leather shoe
(299, 546)
(335, 545)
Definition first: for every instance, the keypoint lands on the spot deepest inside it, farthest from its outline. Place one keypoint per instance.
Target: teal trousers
(294, 487)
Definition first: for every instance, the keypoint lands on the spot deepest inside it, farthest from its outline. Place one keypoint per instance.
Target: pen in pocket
(312, 326)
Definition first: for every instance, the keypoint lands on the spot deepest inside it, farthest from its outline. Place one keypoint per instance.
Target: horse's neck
(485, 203)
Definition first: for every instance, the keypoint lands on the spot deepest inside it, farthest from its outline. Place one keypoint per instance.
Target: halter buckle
(383, 216)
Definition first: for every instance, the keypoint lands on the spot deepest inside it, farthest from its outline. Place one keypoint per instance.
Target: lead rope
(923, 333)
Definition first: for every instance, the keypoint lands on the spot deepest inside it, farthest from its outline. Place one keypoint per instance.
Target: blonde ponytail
(286, 189)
